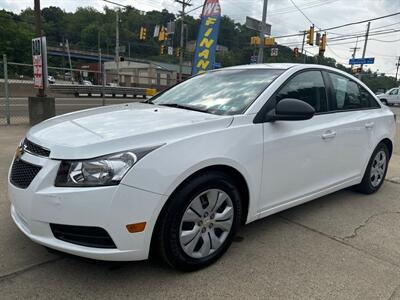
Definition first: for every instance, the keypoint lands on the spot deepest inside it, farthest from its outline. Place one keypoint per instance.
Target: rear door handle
(329, 135)
(369, 125)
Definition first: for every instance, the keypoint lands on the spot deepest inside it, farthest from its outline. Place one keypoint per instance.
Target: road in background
(19, 106)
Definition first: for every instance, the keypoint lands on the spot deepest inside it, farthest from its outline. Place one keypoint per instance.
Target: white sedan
(391, 97)
(180, 173)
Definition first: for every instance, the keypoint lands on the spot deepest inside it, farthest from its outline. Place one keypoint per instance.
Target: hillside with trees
(89, 28)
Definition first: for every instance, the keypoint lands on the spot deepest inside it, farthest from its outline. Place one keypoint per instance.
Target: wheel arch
(231, 172)
(389, 145)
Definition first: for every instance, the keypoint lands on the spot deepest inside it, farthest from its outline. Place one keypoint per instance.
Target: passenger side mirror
(291, 110)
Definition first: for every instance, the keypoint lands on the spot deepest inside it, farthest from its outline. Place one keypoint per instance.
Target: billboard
(204, 56)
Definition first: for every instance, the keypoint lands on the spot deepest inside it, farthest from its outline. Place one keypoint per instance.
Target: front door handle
(329, 135)
(369, 125)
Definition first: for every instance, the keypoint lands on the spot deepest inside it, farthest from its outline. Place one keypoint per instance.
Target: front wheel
(376, 170)
(384, 101)
(199, 222)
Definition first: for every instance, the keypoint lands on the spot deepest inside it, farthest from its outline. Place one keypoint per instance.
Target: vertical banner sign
(37, 63)
(204, 57)
(39, 60)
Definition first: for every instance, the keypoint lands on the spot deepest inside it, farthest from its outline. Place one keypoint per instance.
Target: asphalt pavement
(341, 246)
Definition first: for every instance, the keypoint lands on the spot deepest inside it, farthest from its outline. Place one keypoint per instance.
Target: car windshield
(223, 92)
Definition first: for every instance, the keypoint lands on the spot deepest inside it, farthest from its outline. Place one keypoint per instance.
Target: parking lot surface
(341, 246)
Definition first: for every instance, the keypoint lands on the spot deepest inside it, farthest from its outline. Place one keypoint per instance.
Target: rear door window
(349, 95)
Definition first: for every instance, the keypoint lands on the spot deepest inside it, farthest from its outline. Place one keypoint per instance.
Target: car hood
(99, 131)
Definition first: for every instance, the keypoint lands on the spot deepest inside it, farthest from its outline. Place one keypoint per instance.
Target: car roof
(282, 66)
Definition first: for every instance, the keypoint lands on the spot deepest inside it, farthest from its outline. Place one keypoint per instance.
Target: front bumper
(111, 208)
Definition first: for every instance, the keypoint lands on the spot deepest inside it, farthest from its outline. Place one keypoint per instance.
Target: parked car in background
(87, 82)
(179, 173)
(51, 79)
(391, 97)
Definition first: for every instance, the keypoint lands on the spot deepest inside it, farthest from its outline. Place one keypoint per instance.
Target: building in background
(144, 73)
(191, 46)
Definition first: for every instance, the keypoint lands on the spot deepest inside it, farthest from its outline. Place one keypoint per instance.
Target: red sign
(38, 71)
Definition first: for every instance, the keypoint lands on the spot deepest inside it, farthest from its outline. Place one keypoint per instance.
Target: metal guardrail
(89, 90)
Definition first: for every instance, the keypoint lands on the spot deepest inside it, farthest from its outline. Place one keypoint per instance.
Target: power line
(294, 4)
(115, 3)
(344, 25)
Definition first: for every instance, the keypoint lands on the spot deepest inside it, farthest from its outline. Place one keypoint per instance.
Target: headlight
(101, 171)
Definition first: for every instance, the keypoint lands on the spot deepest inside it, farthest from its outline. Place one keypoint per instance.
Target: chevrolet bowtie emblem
(19, 152)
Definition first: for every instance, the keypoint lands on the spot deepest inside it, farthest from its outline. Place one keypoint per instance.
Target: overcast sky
(286, 19)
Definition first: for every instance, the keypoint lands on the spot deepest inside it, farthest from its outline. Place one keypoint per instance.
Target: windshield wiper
(188, 107)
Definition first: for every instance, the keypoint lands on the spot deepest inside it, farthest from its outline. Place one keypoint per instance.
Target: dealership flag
(204, 57)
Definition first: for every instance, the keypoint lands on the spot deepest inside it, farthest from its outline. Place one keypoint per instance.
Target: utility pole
(354, 51)
(63, 56)
(40, 107)
(365, 47)
(260, 58)
(397, 69)
(99, 50)
(184, 3)
(39, 34)
(117, 44)
(69, 61)
(100, 68)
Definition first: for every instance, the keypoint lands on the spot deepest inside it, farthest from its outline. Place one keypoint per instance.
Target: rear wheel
(200, 221)
(376, 170)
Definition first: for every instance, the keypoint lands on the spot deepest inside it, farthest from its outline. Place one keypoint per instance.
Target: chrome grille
(35, 149)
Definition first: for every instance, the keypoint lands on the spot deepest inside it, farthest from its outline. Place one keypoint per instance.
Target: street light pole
(260, 58)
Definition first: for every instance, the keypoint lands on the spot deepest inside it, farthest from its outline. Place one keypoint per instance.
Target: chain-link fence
(75, 89)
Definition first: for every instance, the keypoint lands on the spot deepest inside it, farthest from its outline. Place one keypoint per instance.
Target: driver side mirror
(289, 109)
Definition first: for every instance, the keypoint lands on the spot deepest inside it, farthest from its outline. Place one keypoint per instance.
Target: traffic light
(310, 36)
(162, 36)
(317, 39)
(121, 58)
(162, 49)
(296, 52)
(269, 41)
(178, 52)
(255, 40)
(322, 45)
(143, 33)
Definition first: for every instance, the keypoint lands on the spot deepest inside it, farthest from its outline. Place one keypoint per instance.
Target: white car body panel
(283, 163)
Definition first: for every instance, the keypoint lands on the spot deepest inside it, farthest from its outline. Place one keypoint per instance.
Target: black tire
(366, 186)
(166, 235)
(384, 101)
